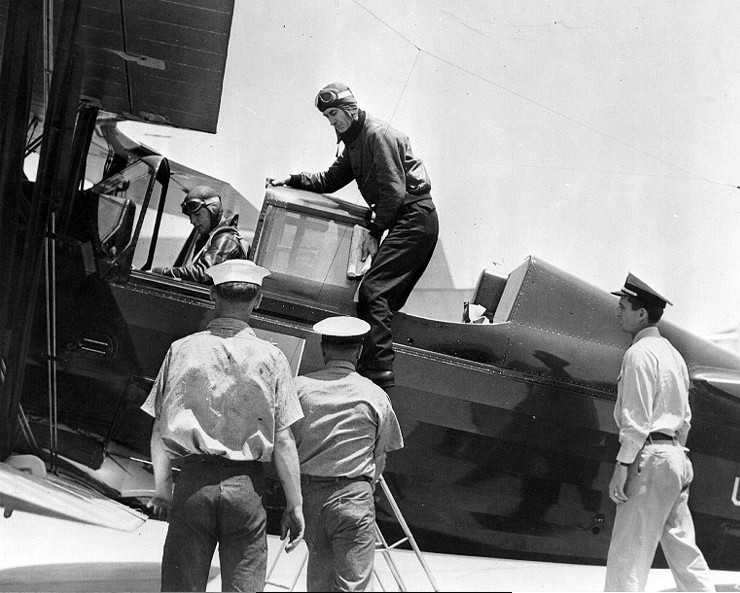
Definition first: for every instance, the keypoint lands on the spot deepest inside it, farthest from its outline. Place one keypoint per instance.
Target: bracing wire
(539, 104)
(690, 175)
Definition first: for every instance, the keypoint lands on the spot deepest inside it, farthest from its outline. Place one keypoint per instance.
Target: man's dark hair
(341, 343)
(236, 292)
(654, 312)
(342, 348)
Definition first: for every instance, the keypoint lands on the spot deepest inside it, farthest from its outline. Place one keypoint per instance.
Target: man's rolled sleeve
(287, 405)
(153, 403)
(635, 402)
(390, 437)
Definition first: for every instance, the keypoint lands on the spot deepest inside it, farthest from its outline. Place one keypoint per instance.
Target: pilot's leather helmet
(204, 196)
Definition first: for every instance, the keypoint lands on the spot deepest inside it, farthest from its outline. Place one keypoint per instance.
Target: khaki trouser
(657, 511)
(340, 533)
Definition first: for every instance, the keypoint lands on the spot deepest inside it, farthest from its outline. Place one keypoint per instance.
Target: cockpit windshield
(121, 198)
(307, 254)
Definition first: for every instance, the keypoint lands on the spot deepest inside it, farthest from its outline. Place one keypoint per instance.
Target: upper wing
(155, 61)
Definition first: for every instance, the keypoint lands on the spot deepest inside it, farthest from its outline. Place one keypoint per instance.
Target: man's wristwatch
(623, 464)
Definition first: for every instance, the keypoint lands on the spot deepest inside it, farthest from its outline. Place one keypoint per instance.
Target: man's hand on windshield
(275, 181)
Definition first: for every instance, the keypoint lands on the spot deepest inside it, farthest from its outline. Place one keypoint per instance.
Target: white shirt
(225, 392)
(652, 393)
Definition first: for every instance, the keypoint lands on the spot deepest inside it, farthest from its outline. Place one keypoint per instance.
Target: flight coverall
(395, 184)
(222, 244)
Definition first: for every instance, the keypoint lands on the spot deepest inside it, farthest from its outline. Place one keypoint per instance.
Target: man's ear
(258, 301)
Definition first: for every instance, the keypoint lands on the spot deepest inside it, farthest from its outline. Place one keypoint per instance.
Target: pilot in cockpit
(218, 239)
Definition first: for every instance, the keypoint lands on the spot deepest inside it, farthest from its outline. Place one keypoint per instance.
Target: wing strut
(23, 225)
(16, 90)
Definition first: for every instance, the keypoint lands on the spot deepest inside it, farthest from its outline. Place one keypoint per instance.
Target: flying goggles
(330, 95)
(192, 205)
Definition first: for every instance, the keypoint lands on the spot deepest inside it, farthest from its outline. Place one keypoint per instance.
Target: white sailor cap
(342, 330)
(237, 270)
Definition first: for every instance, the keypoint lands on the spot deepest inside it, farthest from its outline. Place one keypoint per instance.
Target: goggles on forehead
(193, 205)
(329, 96)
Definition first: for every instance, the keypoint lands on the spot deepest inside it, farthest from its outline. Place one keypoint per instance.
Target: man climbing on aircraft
(218, 239)
(395, 184)
(652, 473)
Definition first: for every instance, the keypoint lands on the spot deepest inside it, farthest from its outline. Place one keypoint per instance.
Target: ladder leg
(300, 570)
(407, 531)
(379, 580)
(385, 550)
(275, 561)
(290, 587)
(381, 545)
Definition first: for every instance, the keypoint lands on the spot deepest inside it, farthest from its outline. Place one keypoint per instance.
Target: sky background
(602, 137)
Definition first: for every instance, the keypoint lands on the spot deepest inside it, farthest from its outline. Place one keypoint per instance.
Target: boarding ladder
(381, 546)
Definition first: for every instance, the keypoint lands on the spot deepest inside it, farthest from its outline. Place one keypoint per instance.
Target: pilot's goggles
(192, 206)
(329, 96)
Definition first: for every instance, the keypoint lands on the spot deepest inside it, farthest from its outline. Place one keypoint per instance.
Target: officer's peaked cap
(635, 287)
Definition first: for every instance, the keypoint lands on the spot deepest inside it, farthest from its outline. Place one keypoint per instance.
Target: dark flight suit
(222, 244)
(395, 185)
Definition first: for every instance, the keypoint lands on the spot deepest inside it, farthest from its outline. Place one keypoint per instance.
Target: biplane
(507, 419)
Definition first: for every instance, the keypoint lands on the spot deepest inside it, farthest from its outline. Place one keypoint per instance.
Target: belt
(412, 199)
(333, 479)
(659, 436)
(220, 460)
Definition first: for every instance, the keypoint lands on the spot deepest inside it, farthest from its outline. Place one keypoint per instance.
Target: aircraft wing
(155, 60)
(182, 178)
(726, 380)
(63, 498)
